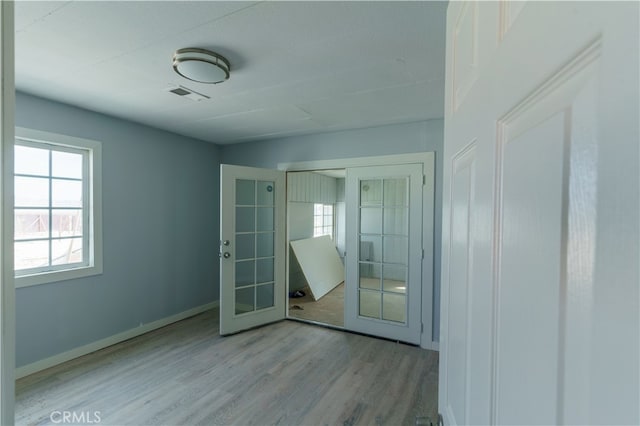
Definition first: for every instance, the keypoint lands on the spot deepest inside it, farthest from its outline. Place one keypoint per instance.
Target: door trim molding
(427, 159)
(7, 288)
(344, 163)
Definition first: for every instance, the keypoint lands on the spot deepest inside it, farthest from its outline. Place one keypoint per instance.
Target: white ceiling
(296, 67)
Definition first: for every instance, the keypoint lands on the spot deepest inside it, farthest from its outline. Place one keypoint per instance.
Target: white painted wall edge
(43, 364)
(7, 289)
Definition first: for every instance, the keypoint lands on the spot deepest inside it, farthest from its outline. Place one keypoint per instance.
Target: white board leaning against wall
(320, 264)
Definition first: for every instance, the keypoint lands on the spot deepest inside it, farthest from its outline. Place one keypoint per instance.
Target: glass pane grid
(383, 249)
(254, 245)
(49, 213)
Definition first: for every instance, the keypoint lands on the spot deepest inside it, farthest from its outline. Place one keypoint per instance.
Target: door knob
(226, 255)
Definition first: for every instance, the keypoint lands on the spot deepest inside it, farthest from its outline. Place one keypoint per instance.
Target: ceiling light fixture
(201, 65)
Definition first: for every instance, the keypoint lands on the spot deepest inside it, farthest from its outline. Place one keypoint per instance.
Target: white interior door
(540, 271)
(252, 247)
(384, 251)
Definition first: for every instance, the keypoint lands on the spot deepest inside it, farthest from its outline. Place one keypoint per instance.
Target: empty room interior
(301, 212)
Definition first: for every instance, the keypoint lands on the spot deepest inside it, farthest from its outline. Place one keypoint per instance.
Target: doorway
(388, 260)
(316, 224)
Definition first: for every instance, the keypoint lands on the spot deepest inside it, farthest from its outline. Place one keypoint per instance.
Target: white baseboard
(34, 367)
(433, 346)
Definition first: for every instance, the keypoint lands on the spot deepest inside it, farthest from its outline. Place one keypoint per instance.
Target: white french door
(384, 251)
(252, 247)
(540, 272)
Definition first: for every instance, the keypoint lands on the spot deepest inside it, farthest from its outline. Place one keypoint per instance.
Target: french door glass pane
(265, 219)
(245, 273)
(245, 219)
(396, 192)
(245, 192)
(393, 307)
(264, 270)
(383, 245)
(370, 274)
(396, 221)
(264, 296)
(245, 246)
(264, 244)
(371, 192)
(245, 299)
(371, 248)
(254, 245)
(265, 193)
(370, 304)
(395, 250)
(371, 220)
(394, 278)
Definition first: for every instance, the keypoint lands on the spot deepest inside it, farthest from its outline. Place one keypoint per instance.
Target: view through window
(322, 220)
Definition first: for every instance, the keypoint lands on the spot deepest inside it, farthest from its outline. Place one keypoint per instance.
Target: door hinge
(421, 327)
(424, 179)
(423, 253)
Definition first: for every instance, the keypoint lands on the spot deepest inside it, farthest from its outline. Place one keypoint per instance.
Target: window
(323, 220)
(57, 229)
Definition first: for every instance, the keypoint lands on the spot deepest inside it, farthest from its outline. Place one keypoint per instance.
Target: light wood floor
(328, 310)
(284, 373)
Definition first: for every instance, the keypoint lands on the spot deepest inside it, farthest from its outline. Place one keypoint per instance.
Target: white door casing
(252, 247)
(384, 251)
(540, 271)
(7, 289)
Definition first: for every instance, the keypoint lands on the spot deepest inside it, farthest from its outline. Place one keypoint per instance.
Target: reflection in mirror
(370, 192)
(369, 304)
(370, 274)
(394, 307)
(395, 278)
(396, 192)
(371, 220)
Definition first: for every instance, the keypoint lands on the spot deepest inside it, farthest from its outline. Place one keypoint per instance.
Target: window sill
(51, 277)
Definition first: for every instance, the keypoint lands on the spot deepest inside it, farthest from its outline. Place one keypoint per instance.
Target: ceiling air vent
(187, 93)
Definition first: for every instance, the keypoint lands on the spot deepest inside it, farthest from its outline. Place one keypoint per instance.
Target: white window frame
(92, 235)
(324, 220)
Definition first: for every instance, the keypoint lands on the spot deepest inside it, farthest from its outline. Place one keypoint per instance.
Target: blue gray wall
(160, 223)
(385, 140)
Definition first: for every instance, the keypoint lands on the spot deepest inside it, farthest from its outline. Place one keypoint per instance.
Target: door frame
(7, 289)
(427, 159)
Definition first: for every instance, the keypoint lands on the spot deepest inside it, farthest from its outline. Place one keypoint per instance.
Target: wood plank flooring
(286, 373)
(328, 310)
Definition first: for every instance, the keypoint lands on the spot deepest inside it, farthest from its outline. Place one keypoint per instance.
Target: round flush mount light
(201, 65)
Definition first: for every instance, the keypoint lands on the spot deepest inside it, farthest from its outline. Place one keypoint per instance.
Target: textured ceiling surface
(296, 67)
